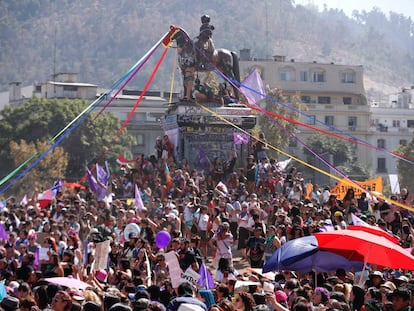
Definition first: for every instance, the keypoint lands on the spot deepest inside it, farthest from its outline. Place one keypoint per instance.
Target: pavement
(240, 263)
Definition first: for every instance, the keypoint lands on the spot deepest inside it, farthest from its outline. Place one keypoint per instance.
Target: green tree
(405, 168)
(52, 167)
(42, 119)
(277, 130)
(324, 144)
(341, 155)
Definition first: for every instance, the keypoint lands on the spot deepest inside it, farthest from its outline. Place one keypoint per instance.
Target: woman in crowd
(61, 301)
(54, 267)
(221, 243)
(320, 296)
(225, 271)
(244, 302)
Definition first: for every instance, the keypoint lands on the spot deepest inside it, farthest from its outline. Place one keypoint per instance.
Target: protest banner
(342, 187)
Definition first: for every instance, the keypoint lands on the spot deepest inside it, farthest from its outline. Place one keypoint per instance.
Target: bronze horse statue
(201, 55)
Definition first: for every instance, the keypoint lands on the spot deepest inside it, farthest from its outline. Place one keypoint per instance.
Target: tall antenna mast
(54, 56)
(54, 53)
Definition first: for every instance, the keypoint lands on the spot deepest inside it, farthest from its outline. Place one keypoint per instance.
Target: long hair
(248, 301)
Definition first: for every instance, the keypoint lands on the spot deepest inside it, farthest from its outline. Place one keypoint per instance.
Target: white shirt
(202, 221)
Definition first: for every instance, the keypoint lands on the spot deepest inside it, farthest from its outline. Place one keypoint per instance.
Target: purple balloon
(162, 239)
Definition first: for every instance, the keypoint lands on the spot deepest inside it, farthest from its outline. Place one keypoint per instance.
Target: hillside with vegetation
(101, 39)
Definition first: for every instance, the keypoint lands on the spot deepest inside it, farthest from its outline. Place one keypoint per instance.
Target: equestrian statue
(201, 56)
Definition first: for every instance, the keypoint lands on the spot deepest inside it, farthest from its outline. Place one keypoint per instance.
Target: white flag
(139, 205)
(358, 221)
(252, 87)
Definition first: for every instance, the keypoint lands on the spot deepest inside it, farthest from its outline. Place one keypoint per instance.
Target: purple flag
(240, 138)
(93, 184)
(102, 181)
(3, 233)
(138, 201)
(101, 174)
(206, 280)
(252, 87)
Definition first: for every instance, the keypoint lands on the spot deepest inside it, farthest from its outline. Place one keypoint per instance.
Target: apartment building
(334, 96)
(144, 125)
(391, 125)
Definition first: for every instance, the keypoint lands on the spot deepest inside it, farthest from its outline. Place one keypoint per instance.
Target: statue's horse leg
(236, 72)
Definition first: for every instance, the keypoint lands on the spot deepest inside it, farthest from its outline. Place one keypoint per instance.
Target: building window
(324, 100)
(410, 123)
(305, 99)
(352, 123)
(329, 120)
(287, 74)
(395, 123)
(140, 139)
(303, 76)
(381, 165)
(142, 116)
(318, 76)
(310, 120)
(347, 100)
(70, 88)
(381, 143)
(348, 77)
(403, 142)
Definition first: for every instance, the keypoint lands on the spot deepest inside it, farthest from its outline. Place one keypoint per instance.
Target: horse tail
(236, 71)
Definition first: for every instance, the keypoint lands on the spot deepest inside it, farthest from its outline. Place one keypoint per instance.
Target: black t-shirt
(186, 258)
(256, 246)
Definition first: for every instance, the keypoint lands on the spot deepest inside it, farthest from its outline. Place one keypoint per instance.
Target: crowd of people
(212, 214)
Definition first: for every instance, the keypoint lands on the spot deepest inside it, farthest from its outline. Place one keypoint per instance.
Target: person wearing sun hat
(376, 278)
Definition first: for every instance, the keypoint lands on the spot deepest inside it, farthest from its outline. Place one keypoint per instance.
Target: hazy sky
(405, 7)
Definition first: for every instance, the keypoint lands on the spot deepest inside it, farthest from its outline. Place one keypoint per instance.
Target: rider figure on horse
(202, 56)
(201, 59)
(206, 50)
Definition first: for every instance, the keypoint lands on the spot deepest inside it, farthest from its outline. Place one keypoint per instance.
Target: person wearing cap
(339, 220)
(129, 246)
(376, 278)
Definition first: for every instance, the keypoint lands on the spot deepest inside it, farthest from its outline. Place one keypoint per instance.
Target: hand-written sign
(190, 276)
